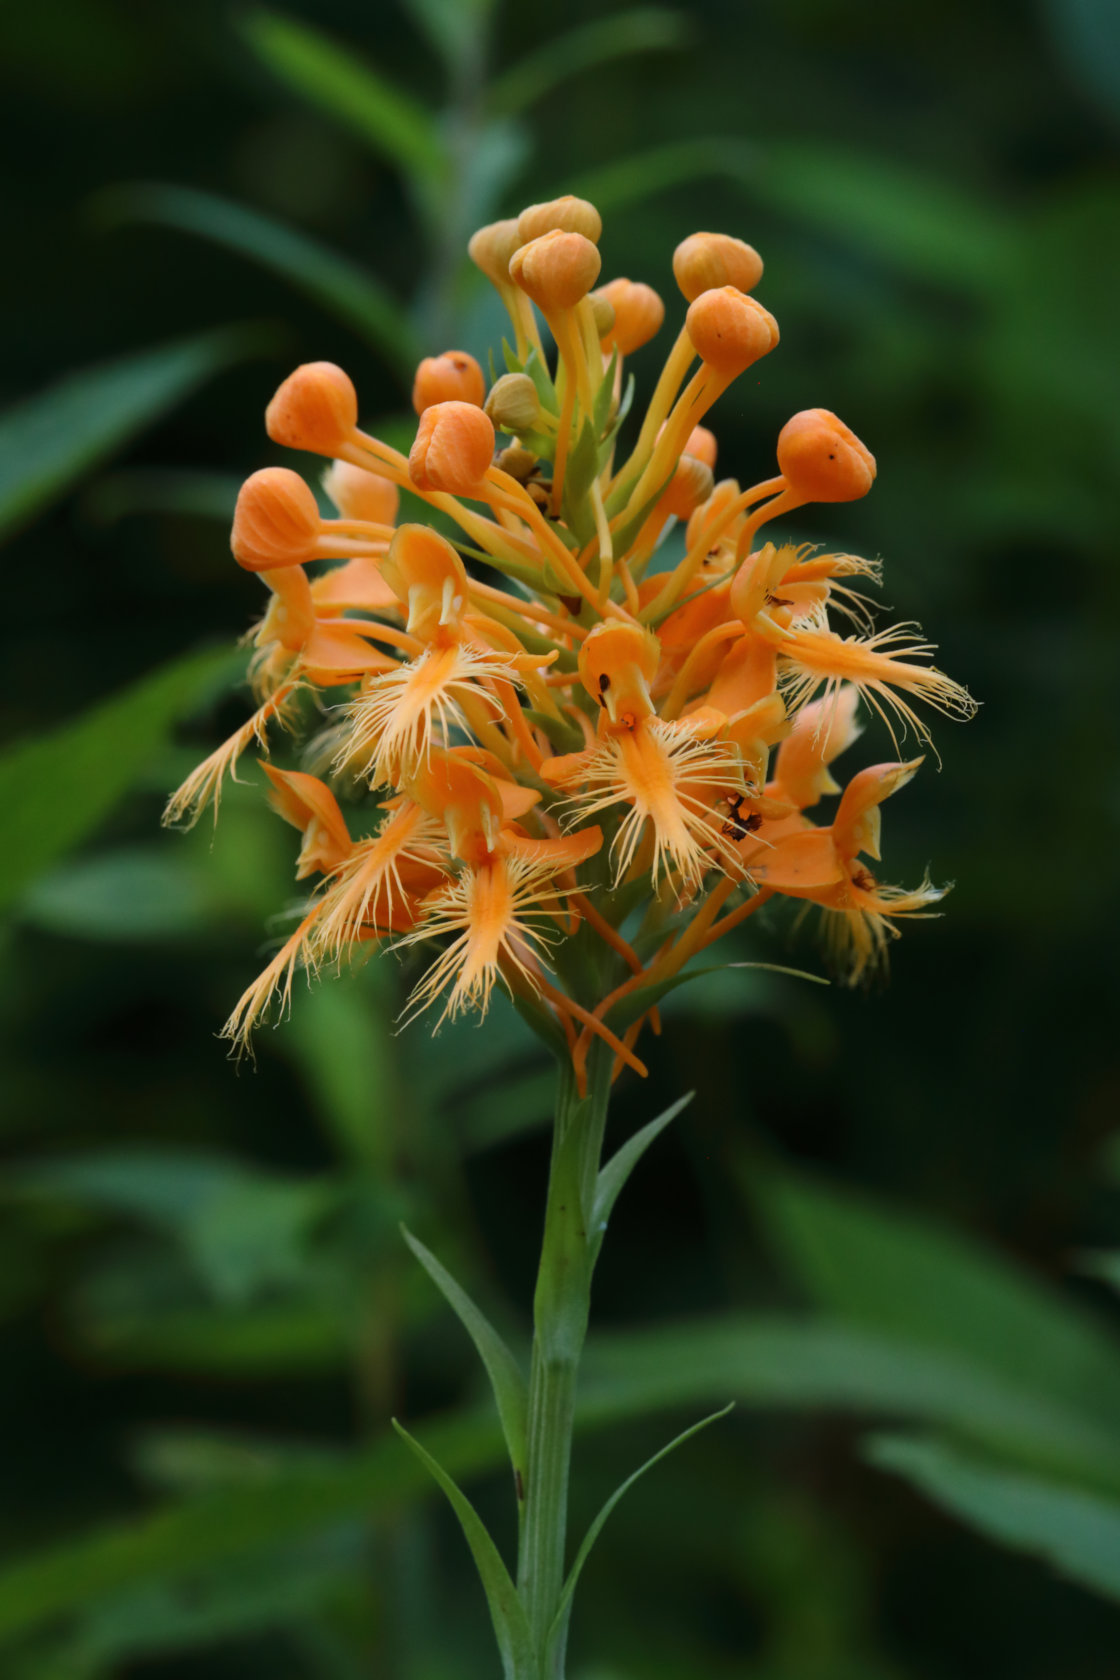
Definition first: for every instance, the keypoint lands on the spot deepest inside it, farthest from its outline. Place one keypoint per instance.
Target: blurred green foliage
(207, 1308)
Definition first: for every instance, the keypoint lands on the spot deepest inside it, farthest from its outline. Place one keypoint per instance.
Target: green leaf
(920, 221)
(175, 490)
(340, 286)
(1100, 1263)
(617, 1170)
(579, 476)
(558, 1631)
(51, 439)
(129, 895)
(644, 29)
(603, 398)
(55, 789)
(209, 1529)
(900, 1276)
(333, 77)
(538, 372)
(1076, 1533)
(341, 1039)
(814, 1364)
(507, 1613)
(243, 1231)
(506, 1377)
(453, 27)
(762, 1362)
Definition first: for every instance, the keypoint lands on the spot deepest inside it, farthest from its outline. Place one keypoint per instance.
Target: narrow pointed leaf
(340, 286)
(53, 438)
(583, 464)
(603, 397)
(506, 1379)
(56, 788)
(893, 1273)
(617, 1170)
(350, 90)
(506, 1611)
(644, 29)
(1075, 1532)
(557, 1631)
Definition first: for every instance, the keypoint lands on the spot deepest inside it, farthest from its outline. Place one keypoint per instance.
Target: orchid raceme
(566, 734)
(563, 734)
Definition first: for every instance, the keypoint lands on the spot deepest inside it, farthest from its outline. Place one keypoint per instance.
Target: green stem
(560, 1312)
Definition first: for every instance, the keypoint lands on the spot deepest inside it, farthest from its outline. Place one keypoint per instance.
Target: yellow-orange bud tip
(730, 331)
(556, 270)
(453, 377)
(638, 314)
(705, 261)
(822, 460)
(316, 408)
(276, 521)
(454, 447)
(566, 215)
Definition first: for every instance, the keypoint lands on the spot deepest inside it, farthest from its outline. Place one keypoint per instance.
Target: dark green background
(936, 193)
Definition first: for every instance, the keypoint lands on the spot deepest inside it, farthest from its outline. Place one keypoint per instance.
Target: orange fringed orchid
(597, 738)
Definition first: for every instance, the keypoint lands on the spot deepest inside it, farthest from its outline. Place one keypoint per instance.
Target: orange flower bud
(822, 460)
(358, 494)
(513, 403)
(705, 261)
(730, 331)
(454, 446)
(690, 485)
(702, 444)
(638, 314)
(567, 214)
(276, 521)
(453, 377)
(491, 248)
(603, 312)
(316, 409)
(556, 270)
(705, 516)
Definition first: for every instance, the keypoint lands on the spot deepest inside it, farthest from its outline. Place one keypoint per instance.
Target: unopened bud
(276, 521)
(454, 447)
(690, 485)
(513, 404)
(705, 261)
(823, 460)
(603, 312)
(517, 462)
(730, 331)
(491, 248)
(567, 214)
(315, 409)
(556, 270)
(358, 494)
(638, 314)
(702, 444)
(704, 518)
(453, 377)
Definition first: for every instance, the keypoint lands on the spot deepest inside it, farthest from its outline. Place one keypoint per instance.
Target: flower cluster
(575, 765)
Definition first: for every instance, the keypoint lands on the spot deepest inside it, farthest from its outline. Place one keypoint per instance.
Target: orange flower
(822, 866)
(537, 667)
